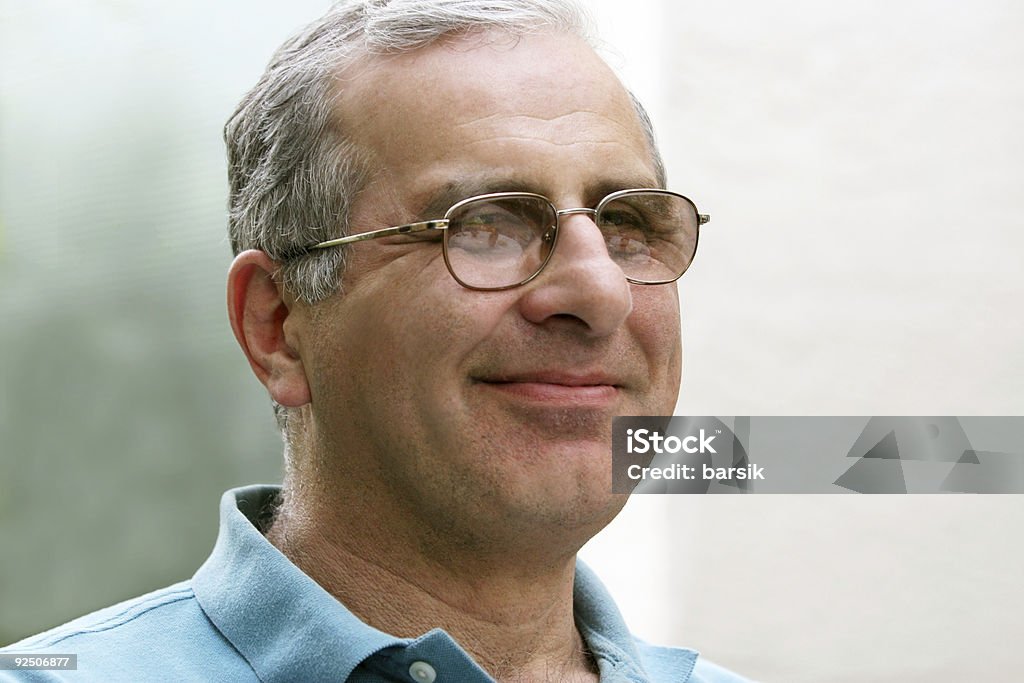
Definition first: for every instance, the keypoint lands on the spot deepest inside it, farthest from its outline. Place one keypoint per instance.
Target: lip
(583, 390)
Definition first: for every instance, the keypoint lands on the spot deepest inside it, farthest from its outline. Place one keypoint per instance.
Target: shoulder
(163, 635)
(675, 664)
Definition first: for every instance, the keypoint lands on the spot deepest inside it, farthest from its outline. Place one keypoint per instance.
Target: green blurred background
(126, 407)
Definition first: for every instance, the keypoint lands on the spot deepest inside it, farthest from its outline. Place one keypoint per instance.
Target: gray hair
(293, 175)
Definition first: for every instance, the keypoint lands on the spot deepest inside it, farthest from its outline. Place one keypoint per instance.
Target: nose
(580, 281)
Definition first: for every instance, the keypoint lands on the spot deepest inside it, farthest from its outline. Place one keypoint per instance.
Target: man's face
(478, 411)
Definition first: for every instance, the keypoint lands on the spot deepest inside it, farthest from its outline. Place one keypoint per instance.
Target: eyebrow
(458, 189)
(453, 191)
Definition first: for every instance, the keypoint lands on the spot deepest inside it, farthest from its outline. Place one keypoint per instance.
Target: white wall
(862, 163)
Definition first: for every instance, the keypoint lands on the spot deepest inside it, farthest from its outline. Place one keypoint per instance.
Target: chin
(568, 498)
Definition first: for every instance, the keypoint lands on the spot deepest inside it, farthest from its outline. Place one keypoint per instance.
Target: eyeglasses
(504, 239)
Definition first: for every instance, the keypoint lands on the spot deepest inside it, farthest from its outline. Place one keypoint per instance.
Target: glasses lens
(497, 242)
(651, 235)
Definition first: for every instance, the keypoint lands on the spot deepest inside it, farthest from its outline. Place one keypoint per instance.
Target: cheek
(655, 324)
(402, 336)
(655, 319)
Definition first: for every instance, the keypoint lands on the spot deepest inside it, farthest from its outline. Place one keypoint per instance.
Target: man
(446, 381)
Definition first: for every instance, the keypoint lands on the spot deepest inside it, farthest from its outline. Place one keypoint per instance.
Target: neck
(511, 613)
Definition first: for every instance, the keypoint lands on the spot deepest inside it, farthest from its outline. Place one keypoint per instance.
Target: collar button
(421, 672)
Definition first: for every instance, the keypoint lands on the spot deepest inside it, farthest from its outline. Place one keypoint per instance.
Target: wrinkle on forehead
(547, 104)
(497, 139)
(575, 120)
(476, 77)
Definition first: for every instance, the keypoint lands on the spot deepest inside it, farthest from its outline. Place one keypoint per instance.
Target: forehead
(495, 103)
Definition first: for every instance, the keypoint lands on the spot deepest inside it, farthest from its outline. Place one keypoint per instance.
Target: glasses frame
(441, 224)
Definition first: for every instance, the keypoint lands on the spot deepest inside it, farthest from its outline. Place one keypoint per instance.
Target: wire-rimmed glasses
(504, 239)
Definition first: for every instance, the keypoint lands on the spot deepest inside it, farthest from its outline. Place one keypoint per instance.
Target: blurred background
(863, 165)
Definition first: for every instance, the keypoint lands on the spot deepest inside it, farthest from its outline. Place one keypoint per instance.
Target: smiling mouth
(581, 391)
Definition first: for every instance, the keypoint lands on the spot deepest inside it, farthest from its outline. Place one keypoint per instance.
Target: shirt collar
(285, 625)
(606, 634)
(289, 628)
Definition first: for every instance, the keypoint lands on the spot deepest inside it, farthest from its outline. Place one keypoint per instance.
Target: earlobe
(258, 312)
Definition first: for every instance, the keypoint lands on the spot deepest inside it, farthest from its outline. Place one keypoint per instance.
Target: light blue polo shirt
(249, 614)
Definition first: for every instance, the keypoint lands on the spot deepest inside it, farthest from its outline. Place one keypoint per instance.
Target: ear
(258, 310)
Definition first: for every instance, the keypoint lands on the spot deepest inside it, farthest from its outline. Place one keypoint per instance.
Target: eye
(492, 229)
(494, 221)
(622, 218)
(484, 239)
(489, 237)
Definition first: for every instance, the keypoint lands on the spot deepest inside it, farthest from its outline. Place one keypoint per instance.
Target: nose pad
(547, 242)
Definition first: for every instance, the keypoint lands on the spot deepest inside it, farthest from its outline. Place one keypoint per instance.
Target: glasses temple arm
(441, 224)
